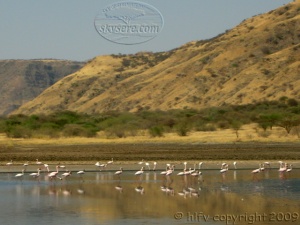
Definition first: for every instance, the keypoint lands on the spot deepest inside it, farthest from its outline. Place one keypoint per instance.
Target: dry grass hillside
(23, 80)
(257, 60)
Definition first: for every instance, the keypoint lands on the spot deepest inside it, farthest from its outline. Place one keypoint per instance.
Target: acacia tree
(266, 121)
(236, 126)
(289, 121)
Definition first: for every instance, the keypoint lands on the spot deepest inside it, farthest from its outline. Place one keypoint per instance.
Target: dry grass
(248, 133)
(217, 145)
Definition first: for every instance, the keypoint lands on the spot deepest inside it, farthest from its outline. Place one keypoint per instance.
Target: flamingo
(192, 170)
(154, 166)
(101, 166)
(196, 173)
(234, 164)
(38, 162)
(185, 163)
(62, 166)
(282, 167)
(119, 172)
(165, 172)
(224, 164)
(148, 165)
(268, 164)
(80, 173)
(36, 175)
(53, 174)
(26, 164)
(170, 171)
(200, 165)
(66, 174)
(182, 173)
(256, 170)
(290, 169)
(110, 162)
(9, 163)
(141, 162)
(47, 167)
(224, 168)
(140, 172)
(20, 175)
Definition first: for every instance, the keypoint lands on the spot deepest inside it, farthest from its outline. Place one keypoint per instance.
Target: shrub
(156, 131)
(19, 132)
(75, 130)
(182, 129)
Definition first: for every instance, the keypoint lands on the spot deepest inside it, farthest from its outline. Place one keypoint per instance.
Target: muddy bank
(152, 151)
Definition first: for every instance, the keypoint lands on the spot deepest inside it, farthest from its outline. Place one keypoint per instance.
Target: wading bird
(119, 172)
(20, 175)
(80, 173)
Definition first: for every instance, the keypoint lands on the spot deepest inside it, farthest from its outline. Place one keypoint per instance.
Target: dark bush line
(268, 114)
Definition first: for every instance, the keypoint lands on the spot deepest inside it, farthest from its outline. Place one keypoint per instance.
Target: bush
(182, 129)
(156, 131)
(19, 132)
(75, 130)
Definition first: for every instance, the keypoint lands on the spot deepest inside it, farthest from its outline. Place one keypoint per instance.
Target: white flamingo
(290, 169)
(20, 175)
(185, 163)
(234, 164)
(100, 165)
(9, 163)
(148, 165)
(119, 172)
(38, 162)
(80, 173)
(66, 174)
(140, 172)
(200, 165)
(110, 162)
(224, 168)
(154, 166)
(36, 175)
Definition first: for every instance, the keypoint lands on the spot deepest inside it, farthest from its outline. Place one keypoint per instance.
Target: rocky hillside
(257, 60)
(23, 80)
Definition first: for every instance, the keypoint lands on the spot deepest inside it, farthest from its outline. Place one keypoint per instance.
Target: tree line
(283, 113)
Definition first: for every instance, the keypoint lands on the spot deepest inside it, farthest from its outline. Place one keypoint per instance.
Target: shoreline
(159, 151)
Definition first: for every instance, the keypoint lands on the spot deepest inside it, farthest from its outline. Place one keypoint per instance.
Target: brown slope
(255, 61)
(23, 80)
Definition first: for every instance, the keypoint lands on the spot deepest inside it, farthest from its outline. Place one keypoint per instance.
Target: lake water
(100, 197)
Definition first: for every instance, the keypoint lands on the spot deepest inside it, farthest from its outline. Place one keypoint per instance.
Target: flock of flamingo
(170, 169)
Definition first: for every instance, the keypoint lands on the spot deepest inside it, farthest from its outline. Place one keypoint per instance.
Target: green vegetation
(284, 113)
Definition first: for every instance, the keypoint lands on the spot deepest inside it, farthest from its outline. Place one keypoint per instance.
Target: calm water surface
(100, 197)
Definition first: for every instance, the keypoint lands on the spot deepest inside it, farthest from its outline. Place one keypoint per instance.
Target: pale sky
(64, 29)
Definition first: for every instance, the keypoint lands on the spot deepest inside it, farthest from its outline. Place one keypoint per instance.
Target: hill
(23, 80)
(257, 60)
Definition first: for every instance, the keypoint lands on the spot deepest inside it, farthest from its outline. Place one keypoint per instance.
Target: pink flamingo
(53, 174)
